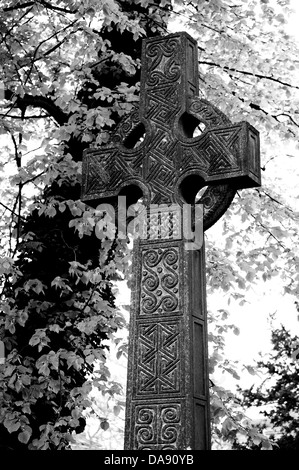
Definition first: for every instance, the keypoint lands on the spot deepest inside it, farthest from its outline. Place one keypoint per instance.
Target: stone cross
(154, 155)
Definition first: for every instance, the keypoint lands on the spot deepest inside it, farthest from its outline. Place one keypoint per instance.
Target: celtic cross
(155, 155)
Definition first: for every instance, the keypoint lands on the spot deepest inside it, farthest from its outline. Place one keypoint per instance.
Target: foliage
(70, 72)
(277, 395)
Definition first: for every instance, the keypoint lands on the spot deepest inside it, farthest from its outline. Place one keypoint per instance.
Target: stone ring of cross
(155, 153)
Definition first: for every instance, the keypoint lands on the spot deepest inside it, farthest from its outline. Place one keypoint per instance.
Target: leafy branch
(32, 116)
(11, 210)
(273, 199)
(48, 5)
(245, 72)
(258, 222)
(42, 102)
(19, 6)
(52, 49)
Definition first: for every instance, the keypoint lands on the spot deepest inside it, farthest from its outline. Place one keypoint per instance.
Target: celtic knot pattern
(158, 427)
(160, 223)
(208, 114)
(158, 358)
(160, 290)
(125, 127)
(215, 200)
(164, 62)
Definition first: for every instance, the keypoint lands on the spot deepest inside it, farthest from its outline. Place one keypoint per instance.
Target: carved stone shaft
(168, 385)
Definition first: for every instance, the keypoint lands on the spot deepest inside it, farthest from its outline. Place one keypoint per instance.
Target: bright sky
(294, 21)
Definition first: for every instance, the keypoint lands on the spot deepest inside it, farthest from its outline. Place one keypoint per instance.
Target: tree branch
(10, 210)
(259, 190)
(244, 72)
(288, 116)
(17, 157)
(37, 102)
(258, 108)
(18, 6)
(264, 227)
(33, 116)
(34, 58)
(17, 23)
(52, 49)
(55, 8)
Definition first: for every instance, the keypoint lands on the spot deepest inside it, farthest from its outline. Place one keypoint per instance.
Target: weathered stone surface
(153, 154)
(168, 394)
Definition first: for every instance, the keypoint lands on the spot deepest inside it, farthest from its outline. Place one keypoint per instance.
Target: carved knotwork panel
(158, 358)
(158, 427)
(208, 114)
(160, 222)
(160, 283)
(163, 223)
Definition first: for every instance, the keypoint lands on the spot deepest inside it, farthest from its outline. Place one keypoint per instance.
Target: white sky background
(293, 26)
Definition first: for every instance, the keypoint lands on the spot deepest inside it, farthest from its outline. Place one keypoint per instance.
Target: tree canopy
(70, 71)
(276, 396)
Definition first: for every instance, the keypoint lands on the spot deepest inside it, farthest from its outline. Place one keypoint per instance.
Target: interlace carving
(158, 363)
(160, 290)
(158, 427)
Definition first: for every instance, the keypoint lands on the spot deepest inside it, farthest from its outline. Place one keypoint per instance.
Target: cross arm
(225, 154)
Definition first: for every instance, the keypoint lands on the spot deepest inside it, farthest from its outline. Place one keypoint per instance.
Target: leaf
(76, 413)
(266, 445)
(256, 440)
(62, 207)
(251, 370)
(18, 385)
(228, 243)
(38, 337)
(12, 425)
(60, 283)
(241, 283)
(105, 425)
(117, 410)
(24, 436)
(278, 232)
(119, 354)
(55, 328)
(250, 276)
(227, 426)
(9, 370)
(34, 284)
